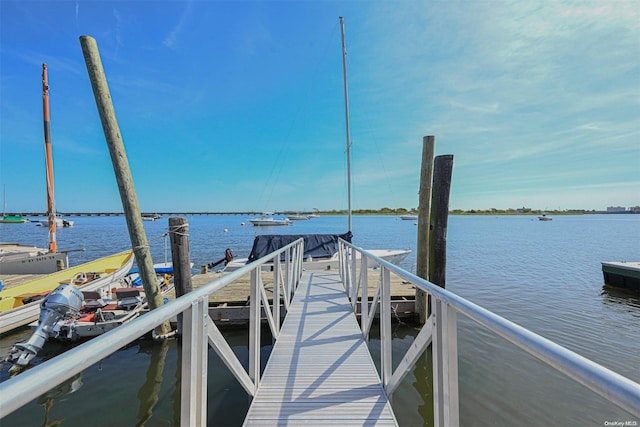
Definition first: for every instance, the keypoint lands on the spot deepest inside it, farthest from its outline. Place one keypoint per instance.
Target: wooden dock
(320, 370)
(230, 305)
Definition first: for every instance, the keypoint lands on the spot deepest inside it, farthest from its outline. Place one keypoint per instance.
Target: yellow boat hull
(14, 312)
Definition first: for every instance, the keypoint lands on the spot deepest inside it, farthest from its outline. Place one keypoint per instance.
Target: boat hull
(14, 314)
(60, 222)
(19, 259)
(269, 222)
(409, 217)
(13, 219)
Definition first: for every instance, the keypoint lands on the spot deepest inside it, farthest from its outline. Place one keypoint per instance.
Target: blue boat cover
(315, 245)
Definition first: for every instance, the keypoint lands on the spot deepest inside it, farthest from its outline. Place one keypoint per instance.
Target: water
(545, 276)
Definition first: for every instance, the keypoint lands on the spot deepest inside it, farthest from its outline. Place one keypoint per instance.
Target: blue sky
(227, 106)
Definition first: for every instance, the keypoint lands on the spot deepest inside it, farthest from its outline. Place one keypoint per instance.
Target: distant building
(635, 209)
(523, 210)
(616, 209)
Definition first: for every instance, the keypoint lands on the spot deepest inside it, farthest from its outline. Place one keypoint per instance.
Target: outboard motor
(65, 300)
(228, 257)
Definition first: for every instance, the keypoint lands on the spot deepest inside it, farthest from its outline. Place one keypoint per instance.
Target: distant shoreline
(360, 212)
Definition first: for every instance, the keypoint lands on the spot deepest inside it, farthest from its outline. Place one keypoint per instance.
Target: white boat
(60, 222)
(298, 217)
(69, 314)
(20, 304)
(151, 217)
(544, 217)
(267, 220)
(320, 251)
(409, 217)
(16, 258)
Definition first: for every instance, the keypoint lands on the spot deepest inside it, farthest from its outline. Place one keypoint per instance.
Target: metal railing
(440, 331)
(199, 332)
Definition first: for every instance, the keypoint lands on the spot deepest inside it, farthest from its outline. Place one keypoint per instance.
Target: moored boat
(150, 217)
(320, 250)
(9, 219)
(298, 217)
(68, 314)
(13, 219)
(60, 222)
(30, 260)
(409, 217)
(267, 220)
(20, 304)
(16, 258)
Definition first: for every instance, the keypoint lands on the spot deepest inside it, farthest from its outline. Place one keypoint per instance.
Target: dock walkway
(320, 370)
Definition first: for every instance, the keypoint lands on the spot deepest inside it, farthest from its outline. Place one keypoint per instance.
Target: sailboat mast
(346, 112)
(51, 209)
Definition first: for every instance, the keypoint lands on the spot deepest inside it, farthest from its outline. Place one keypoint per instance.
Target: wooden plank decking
(320, 370)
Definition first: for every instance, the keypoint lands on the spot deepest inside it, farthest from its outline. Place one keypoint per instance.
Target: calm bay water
(545, 276)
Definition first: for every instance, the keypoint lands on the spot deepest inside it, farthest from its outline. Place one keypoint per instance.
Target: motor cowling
(65, 299)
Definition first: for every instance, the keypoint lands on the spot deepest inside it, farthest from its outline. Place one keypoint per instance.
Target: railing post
(354, 282)
(450, 383)
(436, 355)
(364, 299)
(346, 277)
(385, 326)
(276, 293)
(193, 404)
(288, 276)
(254, 327)
(300, 261)
(341, 260)
(445, 366)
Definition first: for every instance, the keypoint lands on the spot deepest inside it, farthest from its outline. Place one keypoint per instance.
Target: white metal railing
(198, 330)
(440, 331)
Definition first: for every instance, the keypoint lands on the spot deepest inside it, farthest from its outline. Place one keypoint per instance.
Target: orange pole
(51, 209)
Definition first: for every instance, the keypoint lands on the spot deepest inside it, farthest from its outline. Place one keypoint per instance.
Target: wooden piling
(179, 238)
(424, 203)
(442, 171)
(123, 176)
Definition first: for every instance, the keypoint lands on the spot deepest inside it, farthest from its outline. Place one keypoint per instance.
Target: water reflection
(150, 390)
(621, 297)
(47, 400)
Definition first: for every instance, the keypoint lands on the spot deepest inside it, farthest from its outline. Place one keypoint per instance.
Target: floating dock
(622, 274)
(230, 305)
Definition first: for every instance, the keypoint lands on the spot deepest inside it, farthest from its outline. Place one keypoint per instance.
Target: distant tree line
(491, 211)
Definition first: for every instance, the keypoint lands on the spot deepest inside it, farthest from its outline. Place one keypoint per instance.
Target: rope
(174, 230)
(159, 337)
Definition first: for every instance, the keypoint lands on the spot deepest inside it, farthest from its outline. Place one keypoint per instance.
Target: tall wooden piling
(424, 203)
(442, 171)
(179, 238)
(123, 176)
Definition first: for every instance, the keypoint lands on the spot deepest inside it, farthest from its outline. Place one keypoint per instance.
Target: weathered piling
(123, 176)
(424, 203)
(442, 171)
(180, 257)
(433, 217)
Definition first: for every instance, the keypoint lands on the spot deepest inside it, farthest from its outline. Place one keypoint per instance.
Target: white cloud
(171, 40)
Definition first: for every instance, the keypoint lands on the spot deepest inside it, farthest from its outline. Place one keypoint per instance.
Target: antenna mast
(51, 209)
(346, 112)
